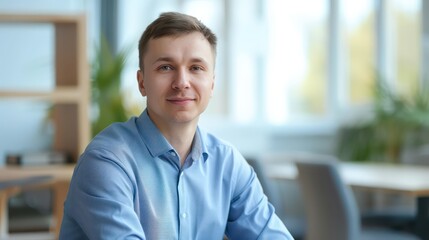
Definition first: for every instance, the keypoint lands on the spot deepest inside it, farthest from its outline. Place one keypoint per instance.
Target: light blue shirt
(128, 184)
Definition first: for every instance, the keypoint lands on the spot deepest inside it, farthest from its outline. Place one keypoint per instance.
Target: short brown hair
(173, 24)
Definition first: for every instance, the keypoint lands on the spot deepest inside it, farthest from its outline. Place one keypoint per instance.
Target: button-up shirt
(129, 184)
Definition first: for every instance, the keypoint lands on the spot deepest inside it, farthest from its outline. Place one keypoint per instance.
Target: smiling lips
(180, 100)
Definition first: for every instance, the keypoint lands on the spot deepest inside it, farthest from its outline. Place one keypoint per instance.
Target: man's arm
(100, 199)
(251, 215)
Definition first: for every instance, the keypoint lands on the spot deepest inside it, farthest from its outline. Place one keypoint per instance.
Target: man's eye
(165, 68)
(197, 68)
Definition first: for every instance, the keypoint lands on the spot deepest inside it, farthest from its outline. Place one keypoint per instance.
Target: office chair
(295, 225)
(331, 210)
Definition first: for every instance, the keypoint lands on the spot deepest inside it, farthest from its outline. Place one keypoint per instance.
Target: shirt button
(172, 153)
(184, 215)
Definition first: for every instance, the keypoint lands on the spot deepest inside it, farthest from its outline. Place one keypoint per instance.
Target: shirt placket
(183, 207)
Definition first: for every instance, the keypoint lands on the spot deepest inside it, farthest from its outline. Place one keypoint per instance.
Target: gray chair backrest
(269, 190)
(331, 210)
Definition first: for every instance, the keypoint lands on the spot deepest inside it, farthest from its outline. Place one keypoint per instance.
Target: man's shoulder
(116, 137)
(117, 131)
(215, 143)
(119, 143)
(212, 140)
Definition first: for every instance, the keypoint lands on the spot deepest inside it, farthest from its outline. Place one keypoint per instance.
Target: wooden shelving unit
(71, 94)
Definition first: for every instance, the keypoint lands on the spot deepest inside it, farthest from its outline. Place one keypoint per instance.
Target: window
(406, 44)
(296, 61)
(287, 63)
(359, 51)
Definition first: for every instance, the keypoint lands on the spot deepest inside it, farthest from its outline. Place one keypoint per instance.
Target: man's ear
(140, 82)
(213, 83)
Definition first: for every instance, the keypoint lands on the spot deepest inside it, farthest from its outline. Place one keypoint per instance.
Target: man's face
(177, 78)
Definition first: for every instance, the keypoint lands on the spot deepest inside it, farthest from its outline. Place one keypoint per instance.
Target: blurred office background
(291, 76)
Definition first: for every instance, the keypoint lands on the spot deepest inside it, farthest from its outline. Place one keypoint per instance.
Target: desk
(14, 179)
(403, 179)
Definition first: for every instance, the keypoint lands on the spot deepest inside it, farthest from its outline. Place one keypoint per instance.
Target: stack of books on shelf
(37, 158)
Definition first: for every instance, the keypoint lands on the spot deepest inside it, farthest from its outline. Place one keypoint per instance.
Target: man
(159, 176)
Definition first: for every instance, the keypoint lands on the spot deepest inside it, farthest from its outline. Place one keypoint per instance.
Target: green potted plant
(107, 97)
(397, 123)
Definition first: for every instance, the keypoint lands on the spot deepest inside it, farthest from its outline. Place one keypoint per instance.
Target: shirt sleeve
(251, 216)
(100, 198)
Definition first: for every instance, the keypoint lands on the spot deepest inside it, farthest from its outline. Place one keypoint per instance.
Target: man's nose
(181, 80)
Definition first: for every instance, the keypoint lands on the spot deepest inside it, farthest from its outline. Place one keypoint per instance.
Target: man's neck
(180, 137)
(179, 134)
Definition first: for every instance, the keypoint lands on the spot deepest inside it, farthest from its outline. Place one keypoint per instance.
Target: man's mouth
(180, 100)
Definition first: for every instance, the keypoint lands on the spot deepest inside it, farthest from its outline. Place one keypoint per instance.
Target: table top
(23, 182)
(406, 179)
(57, 172)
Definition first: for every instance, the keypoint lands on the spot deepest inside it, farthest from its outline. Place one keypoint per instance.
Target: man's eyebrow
(199, 60)
(163, 59)
(170, 59)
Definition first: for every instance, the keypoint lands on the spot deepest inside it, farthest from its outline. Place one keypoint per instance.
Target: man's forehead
(192, 36)
(167, 46)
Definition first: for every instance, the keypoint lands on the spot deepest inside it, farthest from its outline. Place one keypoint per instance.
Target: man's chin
(185, 117)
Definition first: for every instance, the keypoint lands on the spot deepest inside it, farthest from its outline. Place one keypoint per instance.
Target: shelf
(60, 95)
(38, 18)
(70, 96)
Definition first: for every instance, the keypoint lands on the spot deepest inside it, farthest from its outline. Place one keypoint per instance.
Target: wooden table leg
(60, 193)
(4, 226)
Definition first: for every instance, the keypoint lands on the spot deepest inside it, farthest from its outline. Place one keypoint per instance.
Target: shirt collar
(199, 149)
(158, 145)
